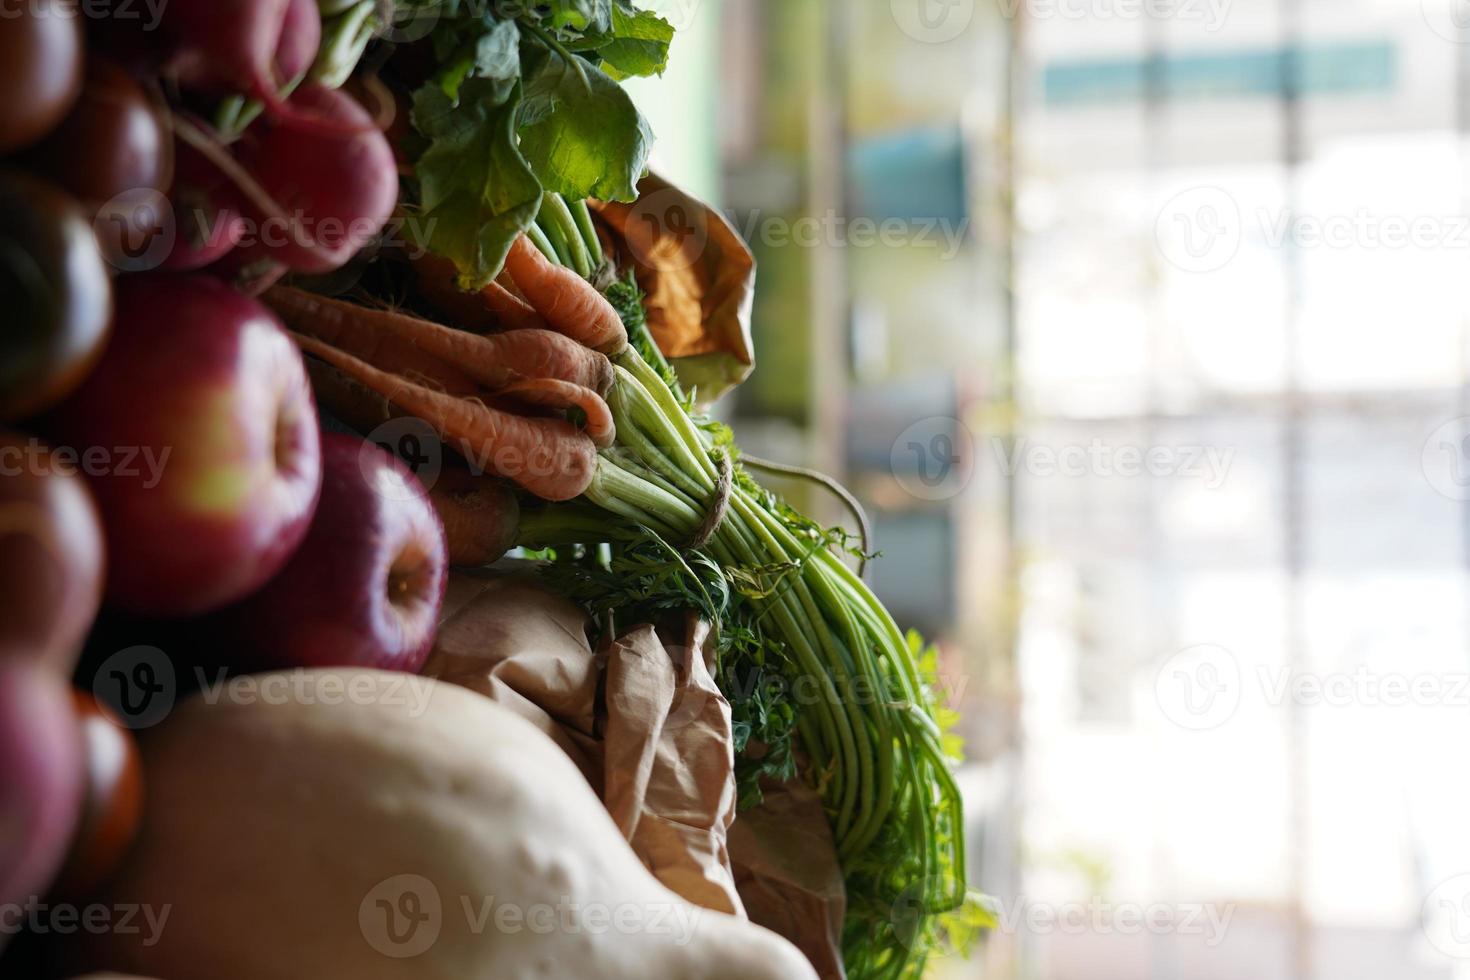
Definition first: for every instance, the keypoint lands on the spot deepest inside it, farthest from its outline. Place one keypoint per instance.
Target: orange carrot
(494, 361)
(510, 310)
(548, 457)
(480, 523)
(492, 308)
(551, 393)
(566, 301)
(347, 327)
(545, 354)
(348, 400)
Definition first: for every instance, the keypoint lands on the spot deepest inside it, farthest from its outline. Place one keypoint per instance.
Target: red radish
(300, 37)
(247, 271)
(335, 191)
(208, 216)
(41, 794)
(206, 234)
(247, 47)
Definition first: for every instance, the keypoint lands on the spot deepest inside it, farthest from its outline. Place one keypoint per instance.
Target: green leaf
(639, 44)
(545, 73)
(579, 15)
(594, 142)
(494, 54)
(476, 189)
(498, 52)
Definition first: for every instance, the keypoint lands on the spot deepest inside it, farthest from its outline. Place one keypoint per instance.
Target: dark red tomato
(111, 142)
(41, 56)
(55, 293)
(112, 805)
(51, 555)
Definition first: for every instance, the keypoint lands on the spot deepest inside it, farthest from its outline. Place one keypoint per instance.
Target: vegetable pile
(388, 213)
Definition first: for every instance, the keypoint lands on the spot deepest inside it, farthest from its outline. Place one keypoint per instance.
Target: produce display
(313, 306)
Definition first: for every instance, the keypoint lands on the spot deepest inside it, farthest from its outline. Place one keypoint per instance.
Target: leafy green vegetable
(579, 15)
(476, 190)
(594, 142)
(637, 45)
(525, 100)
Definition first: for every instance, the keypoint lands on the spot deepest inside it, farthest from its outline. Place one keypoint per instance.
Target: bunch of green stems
(866, 722)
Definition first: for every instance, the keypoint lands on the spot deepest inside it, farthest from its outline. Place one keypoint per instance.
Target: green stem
(554, 234)
(554, 210)
(582, 215)
(538, 238)
(346, 31)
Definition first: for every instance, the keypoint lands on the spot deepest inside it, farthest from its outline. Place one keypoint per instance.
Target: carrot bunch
(521, 397)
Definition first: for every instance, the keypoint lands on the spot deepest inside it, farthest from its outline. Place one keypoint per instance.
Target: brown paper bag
(787, 873)
(647, 725)
(670, 765)
(699, 280)
(657, 746)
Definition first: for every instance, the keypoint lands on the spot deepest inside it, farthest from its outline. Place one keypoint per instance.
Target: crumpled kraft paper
(699, 280)
(645, 722)
(668, 730)
(656, 746)
(787, 873)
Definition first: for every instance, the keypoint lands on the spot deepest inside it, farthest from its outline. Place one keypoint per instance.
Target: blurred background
(1140, 328)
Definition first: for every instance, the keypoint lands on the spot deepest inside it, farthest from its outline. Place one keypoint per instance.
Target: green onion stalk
(862, 708)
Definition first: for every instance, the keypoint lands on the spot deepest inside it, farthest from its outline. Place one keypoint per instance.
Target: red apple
(365, 587)
(51, 556)
(205, 456)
